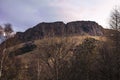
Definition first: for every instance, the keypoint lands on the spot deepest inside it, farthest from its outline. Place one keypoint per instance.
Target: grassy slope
(27, 57)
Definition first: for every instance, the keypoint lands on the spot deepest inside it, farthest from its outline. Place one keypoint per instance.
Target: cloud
(27, 13)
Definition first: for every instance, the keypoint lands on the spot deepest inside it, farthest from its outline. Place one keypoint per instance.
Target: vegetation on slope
(57, 58)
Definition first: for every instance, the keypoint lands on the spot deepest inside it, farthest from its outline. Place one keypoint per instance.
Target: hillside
(27, 58)
(58, 51)
(61, 29)
(58, 29)
(27, 55)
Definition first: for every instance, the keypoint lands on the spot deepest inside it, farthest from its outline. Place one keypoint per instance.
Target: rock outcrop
(84, 27)
(56, 29)
(61, 29)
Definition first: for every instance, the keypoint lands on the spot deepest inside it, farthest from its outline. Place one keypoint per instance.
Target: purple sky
(23, 14)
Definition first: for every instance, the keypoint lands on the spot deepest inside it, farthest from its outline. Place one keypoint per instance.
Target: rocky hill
(43, 30)
(43, 53)
(61, 29)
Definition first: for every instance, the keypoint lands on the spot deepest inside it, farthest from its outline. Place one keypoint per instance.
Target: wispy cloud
(27, 13)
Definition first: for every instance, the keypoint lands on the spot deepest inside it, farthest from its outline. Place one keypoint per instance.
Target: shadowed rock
(59, 29)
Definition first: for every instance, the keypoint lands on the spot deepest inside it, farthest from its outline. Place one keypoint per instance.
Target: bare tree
(85, 55)
(1, 30)
(115, 19)
(8, 30)
(115, 25)
(8, 66)
(2, 62)
(56, 55)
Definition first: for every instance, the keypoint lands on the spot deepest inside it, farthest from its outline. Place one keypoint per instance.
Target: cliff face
(56, 29)
(84, 27)
(61, 29)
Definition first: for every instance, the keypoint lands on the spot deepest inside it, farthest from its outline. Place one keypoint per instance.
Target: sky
(23, 14)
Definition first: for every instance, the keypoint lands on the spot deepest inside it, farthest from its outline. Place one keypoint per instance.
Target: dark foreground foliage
(64, 60)
(27, 47)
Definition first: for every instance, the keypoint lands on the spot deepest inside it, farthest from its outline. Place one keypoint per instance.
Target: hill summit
(58, 29)
(61, 29)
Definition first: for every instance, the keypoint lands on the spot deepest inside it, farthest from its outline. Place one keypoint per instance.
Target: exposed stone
(61, 29)
(56, 29)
